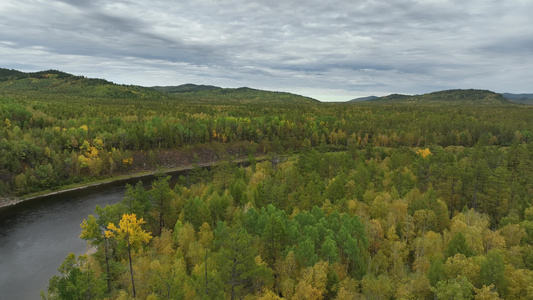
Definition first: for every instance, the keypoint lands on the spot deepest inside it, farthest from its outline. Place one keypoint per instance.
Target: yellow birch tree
(131, 233)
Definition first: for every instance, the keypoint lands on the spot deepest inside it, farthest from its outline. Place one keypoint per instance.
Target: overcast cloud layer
(328, 50)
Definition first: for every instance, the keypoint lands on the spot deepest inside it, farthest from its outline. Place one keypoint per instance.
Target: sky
(327, 50)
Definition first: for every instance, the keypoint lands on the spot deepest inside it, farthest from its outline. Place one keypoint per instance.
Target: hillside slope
(242, 95)
(52, 82)
(519, 98)
(448, 97)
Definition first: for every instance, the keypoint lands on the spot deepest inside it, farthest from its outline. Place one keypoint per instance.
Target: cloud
(340, 47)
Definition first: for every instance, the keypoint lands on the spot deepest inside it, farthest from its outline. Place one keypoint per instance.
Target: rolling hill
(447, 97)
(184, 88)
(367, 98)
(53, 82)
(519, 98)
(242, 95)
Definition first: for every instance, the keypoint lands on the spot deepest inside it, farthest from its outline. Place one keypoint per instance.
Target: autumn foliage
(377, 200)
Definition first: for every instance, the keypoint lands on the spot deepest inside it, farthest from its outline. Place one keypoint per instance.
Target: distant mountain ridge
(188, 87)
(241, 95)
(367, 98)
(519, 98)
(446, 97)
(11, 74)
(51, 82)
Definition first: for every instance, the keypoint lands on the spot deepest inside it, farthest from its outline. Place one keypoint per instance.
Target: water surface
(37, 235)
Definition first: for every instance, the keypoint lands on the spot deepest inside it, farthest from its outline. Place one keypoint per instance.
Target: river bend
(37, 235)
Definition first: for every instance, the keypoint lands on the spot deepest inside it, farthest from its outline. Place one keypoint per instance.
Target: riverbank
(145, 164)
(8, 201)
(5, 202)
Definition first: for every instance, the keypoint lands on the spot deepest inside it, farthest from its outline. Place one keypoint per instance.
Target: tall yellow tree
(131, 233)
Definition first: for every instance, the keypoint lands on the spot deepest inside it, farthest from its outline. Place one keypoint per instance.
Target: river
(37, 235)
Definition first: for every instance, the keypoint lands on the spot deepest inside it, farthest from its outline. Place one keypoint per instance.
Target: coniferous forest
(400, 197)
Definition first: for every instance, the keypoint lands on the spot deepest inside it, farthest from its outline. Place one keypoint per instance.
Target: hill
(243, 95)
(470, 96)
(367, 98)
(519, 98)
(52, 82)
(448, 97)
(7, 74)
(189, 87)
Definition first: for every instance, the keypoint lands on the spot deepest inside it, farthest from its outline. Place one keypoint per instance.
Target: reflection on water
(37, 235)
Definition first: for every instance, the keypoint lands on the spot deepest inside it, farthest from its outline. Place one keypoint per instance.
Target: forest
(422, 197)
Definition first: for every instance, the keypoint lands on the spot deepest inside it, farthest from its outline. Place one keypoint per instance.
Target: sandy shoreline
(8, 201)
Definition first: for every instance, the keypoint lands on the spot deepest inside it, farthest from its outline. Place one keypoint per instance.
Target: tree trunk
(131, 271)
(107, 267)
(131, 266)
